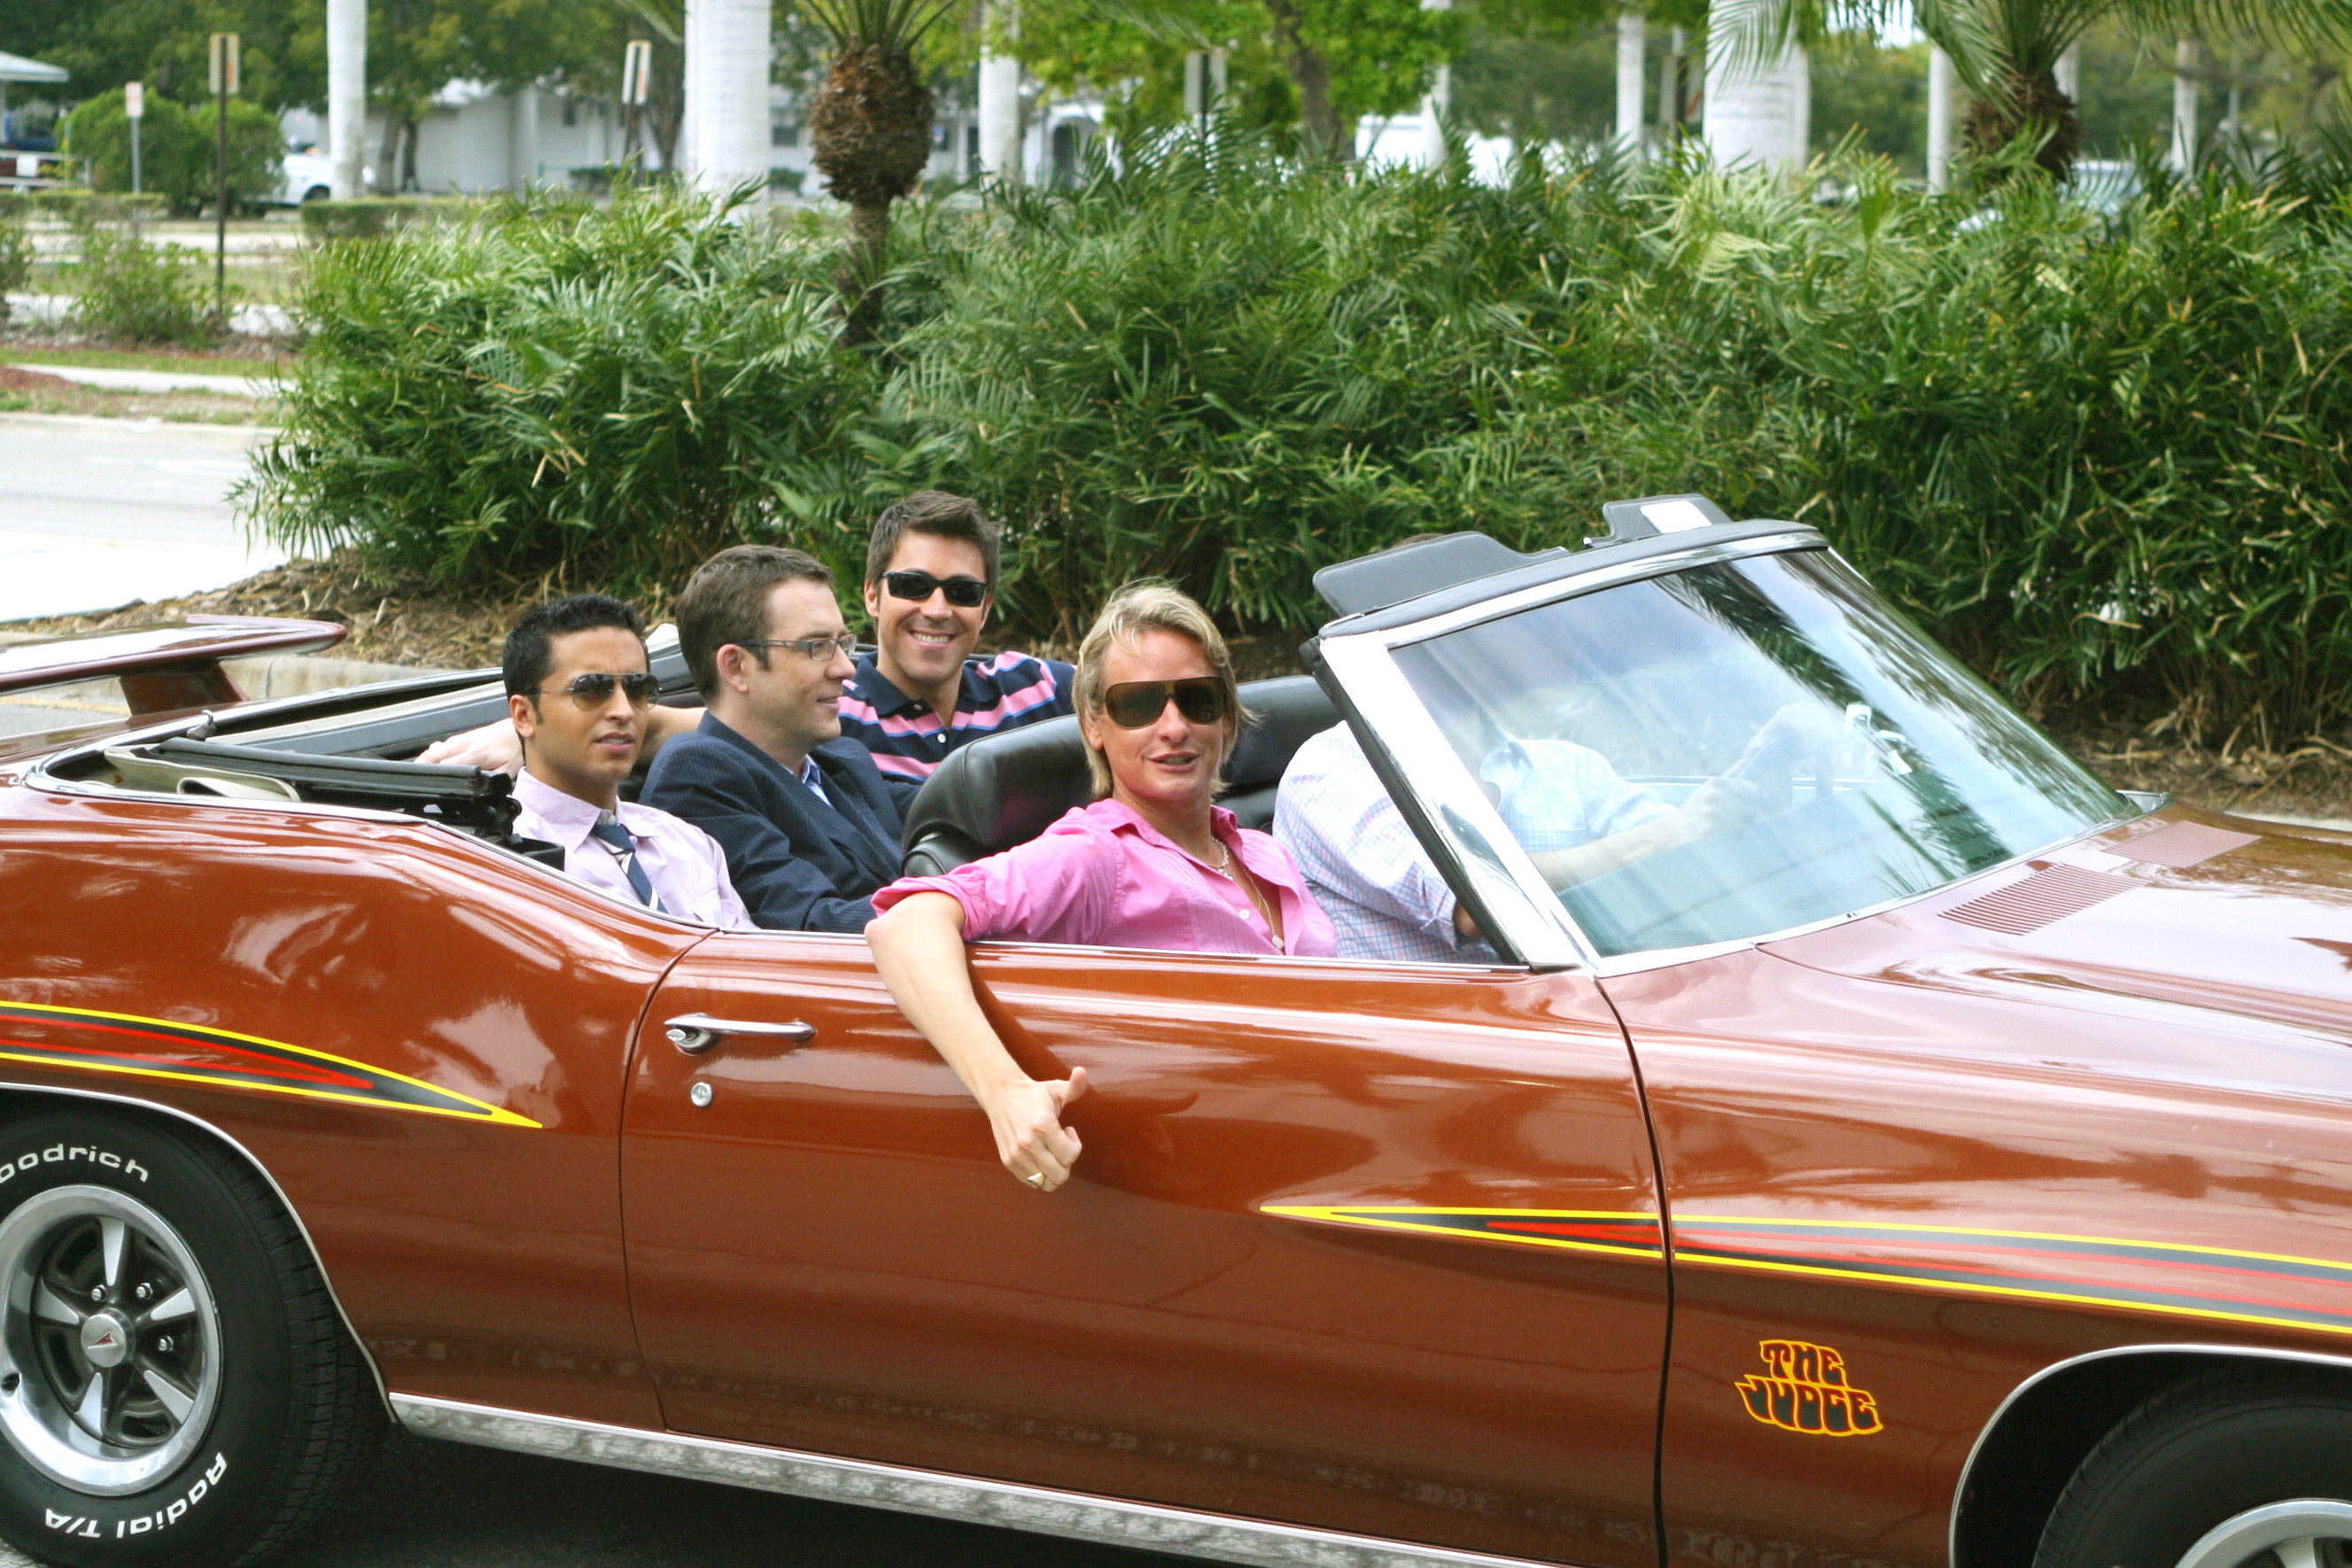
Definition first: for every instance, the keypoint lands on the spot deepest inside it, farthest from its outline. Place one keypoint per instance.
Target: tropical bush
(2088, 451)
(132, 291)
(178, 150)
(608, 394)
(15, 258)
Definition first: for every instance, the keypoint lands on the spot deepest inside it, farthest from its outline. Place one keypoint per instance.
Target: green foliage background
(2087, 452)
(177, 149)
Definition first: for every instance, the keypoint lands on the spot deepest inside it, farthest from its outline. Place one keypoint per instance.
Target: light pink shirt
(1103, 877)
(685, 865)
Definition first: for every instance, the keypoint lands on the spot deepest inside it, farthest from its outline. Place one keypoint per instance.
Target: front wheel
(177, 1387)
(2247, 1468)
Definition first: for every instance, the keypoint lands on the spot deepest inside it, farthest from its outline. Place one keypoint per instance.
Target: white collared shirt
(684, 864)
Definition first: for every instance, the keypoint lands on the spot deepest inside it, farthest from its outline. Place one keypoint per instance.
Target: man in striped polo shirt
(930, 581)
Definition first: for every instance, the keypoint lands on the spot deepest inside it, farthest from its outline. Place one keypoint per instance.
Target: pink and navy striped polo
(905, 734)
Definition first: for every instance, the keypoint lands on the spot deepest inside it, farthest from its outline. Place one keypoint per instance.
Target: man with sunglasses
(808, 824)
(931, 580)
(578, 688)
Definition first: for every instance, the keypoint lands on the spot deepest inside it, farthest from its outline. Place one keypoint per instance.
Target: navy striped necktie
(609, 832)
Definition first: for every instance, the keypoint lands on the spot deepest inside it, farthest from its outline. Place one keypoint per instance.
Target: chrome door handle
(695, 1033)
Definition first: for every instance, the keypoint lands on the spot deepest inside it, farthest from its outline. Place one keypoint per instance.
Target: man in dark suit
(809, 828)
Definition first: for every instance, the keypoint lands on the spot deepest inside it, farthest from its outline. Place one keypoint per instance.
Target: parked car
(308, 176)
(1947, 1164)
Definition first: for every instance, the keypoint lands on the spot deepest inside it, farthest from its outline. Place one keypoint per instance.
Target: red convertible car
(1947, 1161)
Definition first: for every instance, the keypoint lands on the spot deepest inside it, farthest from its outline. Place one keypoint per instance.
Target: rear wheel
(175, 1385)
(2249, 1467)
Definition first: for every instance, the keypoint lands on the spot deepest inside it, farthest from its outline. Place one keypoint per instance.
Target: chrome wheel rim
(110, 1346)
(2310, 1533)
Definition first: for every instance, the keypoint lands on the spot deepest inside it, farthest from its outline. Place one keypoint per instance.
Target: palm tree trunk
(858, 278)
(1320, 132)
(2029, 103)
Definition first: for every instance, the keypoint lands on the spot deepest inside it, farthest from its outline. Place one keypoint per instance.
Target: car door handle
(695, 1033)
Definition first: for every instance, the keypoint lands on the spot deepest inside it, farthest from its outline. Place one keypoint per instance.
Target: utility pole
(1633, 39)
(225, 63)
(347, 96)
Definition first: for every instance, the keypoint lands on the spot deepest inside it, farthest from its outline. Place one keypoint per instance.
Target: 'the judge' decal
(1803, 1388)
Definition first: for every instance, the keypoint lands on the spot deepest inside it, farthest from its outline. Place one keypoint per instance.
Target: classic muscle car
(1945, 1161)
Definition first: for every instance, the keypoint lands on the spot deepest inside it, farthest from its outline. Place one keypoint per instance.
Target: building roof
(16, 68)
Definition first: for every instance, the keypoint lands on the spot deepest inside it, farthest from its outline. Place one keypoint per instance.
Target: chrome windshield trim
(366, 1359)
(1075, 1516)
(1576, 586)
(1984, 1434)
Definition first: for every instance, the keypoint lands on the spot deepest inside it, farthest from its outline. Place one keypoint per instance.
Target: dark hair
(726, 601)
(527, 656)
(942, 516)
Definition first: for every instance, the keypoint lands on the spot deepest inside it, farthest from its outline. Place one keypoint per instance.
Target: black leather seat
(1006, 789)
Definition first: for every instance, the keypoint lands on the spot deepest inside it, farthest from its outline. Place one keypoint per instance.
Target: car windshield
(1741, 749)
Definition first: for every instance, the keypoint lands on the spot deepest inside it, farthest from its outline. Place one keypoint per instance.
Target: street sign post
(134, 104)
(224, 60)
(637, 79)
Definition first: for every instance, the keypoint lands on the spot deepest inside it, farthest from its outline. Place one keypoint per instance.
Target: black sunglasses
(595, 689)
(963, 592)
(1133, 704)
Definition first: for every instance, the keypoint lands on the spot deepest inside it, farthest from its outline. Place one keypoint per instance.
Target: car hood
(2248, 924)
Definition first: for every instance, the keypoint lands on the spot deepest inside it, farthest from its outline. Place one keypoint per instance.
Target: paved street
(437, 1505)
(98, 512)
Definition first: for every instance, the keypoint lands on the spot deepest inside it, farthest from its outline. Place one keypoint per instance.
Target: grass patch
(228, 361)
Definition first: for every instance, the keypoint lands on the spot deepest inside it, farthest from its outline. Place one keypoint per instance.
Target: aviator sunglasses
(963, 592)
(595, 689)
(1134, 704)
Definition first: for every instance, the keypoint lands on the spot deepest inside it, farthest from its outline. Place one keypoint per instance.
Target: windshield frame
(1460, 827)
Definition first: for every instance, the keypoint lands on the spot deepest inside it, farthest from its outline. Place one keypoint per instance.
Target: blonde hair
(1150, 606)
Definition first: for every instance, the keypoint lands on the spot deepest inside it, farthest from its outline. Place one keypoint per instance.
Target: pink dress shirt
(684, 864)
(1103, 877)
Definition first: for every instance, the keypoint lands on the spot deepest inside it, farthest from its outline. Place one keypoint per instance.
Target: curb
(196, 431)
(301, 674)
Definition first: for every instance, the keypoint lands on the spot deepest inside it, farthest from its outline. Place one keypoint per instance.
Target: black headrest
(1007, 789)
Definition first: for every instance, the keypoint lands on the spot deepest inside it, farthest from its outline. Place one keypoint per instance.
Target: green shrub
(78, 205)
(177, 150)
(607, 394)
(2094, 453)
(15, 258)
(132, 290)
(366, 218)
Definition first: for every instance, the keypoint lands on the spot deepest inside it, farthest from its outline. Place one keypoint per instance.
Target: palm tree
(870, 132)
(2006, 51)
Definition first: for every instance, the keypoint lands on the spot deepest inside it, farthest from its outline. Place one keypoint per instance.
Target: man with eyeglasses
(809, 828)
(578, 688)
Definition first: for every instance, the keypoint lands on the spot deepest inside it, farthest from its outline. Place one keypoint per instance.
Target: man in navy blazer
(809, 828)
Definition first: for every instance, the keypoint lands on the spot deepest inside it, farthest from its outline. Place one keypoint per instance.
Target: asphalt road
(439, 1505)
(95, 513)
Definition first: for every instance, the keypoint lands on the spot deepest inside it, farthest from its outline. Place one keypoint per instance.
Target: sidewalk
(158, 380)
(259, 321)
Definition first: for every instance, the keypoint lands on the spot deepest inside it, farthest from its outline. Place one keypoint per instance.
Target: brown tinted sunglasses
(1135, 704)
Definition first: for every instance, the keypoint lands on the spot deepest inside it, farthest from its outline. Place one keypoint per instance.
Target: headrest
(1007, 789)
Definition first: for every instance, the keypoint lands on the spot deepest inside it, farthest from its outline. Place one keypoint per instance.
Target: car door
(1366, 1247)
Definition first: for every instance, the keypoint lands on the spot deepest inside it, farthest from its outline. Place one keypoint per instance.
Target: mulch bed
(16, 380)
(397, 619)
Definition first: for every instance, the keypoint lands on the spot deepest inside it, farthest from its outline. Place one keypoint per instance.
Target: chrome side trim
(1976, 1450)
(1075, 1516)
(366, 1359)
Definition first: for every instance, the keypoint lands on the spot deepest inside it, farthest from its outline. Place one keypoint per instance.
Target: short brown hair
(941, 515)
(1150, 606)
(726, 601)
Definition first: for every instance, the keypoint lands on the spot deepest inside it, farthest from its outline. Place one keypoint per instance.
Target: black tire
(2263, 1448)
(214, 1437)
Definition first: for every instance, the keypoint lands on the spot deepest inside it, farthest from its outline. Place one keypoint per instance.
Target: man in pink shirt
(1152, 864)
